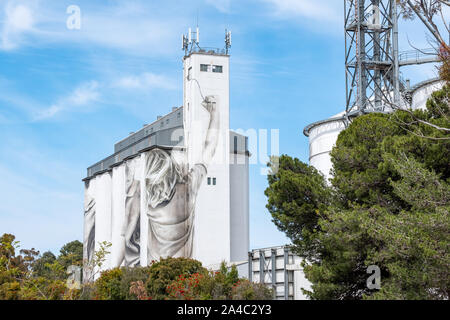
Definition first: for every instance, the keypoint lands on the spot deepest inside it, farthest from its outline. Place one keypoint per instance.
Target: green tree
(108, 285)
(41, 266)
(71, 254)
(297, 194)
(387, 205)
(18, 279)
(163, 272)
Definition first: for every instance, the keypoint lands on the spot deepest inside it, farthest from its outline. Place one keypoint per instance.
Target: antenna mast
(371, 55)
(227, 41)
(190, 41)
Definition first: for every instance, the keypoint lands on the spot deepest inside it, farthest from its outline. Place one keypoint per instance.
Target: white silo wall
(212, 207)
(118, 213)
(239, 206)
(103, 203)
(421, 94)
(144, 219)
(211, 233)
(322, 138)
(181, 213)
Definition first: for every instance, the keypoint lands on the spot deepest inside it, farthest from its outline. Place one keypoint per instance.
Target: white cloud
(221, 5)
(136, 27)
(18, 20)
(145, 81)
(82, 96)
(323, 10)
(88, 95)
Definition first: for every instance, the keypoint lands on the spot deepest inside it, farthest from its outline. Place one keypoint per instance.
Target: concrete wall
(212, 219)
(220, 229)
(239, 205)
(322, 139)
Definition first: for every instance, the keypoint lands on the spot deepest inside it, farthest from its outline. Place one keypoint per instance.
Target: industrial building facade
(178, 187)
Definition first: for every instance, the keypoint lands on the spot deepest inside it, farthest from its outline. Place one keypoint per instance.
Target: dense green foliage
(386, 205)
(30, 276)
(175, 279)
(71, 254)
(220, 285)
(162, 273)
(24, 277)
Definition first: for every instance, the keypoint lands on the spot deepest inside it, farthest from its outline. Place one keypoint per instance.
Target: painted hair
(162, 174)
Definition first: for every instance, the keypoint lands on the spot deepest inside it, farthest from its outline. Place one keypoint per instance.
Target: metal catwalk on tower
(371, 55)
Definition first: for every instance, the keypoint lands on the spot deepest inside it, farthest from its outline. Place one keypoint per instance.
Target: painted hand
(209, 103)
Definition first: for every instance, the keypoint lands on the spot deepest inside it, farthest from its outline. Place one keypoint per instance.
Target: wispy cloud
(109, 27)
(81, 98)
(89, 95)
(221, 5)
(145, 81)
(18, 19)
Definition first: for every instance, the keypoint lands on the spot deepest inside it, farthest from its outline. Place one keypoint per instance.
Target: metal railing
(210, 50)
(418, 56)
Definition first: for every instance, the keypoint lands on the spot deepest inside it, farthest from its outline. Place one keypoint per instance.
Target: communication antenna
(227, 40)
(374, 18)
(185, 43)
(190, 40)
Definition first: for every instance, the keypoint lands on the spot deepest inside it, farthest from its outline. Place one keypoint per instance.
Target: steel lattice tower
(371, 55)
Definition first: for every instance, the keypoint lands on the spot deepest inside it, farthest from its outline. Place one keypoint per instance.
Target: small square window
(204, 67)
(217, 69)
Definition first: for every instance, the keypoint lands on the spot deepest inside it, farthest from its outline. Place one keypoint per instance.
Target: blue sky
(66, 96)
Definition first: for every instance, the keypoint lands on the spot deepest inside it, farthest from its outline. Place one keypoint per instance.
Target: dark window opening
(217, 69)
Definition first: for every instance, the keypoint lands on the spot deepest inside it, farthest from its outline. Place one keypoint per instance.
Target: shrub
(162, 273)
(138, 290)
(108, 285)
(220, 285)
(137, 276)
(246, 290)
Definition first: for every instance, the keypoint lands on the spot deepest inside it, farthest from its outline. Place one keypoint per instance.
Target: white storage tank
(323, 134)
(322, 137)
(422, 91)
